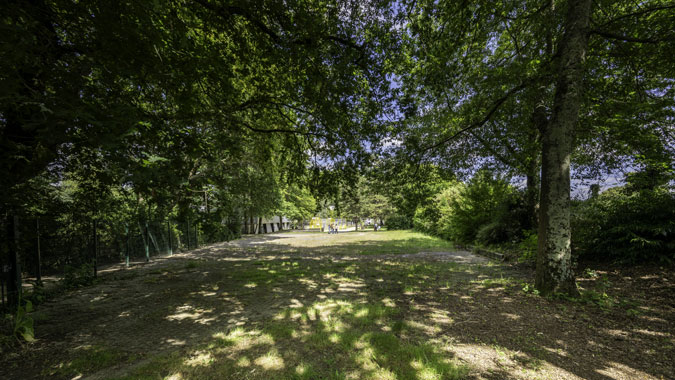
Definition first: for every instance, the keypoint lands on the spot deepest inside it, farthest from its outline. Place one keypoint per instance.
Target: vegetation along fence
(43, 248)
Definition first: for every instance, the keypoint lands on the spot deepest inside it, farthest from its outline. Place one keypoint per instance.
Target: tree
(479, 93)
(554, 254)
(172, 101)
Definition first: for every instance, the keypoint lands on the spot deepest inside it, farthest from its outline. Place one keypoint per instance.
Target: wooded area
(541, 129)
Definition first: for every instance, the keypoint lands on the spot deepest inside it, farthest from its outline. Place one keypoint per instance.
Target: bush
(78, 276)
(528, 247)
(627, 225)
(426, 219)
(509, 218)
(398, 222)
(487, 210)
(486, 200)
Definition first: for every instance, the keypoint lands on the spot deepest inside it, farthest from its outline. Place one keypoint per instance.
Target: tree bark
(554, 256)
(281, 223)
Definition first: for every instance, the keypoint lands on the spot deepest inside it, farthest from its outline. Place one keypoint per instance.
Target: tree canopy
(262, 107)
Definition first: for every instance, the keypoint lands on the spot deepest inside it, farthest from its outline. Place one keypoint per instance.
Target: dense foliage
(486, 210)
(631, 223)
(626, 225)
(208, 114)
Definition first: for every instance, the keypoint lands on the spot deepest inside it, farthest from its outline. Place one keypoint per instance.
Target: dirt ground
(481, 315)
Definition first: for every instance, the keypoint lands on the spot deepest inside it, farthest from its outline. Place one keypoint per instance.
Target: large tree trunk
(281, 223)
(554, 256)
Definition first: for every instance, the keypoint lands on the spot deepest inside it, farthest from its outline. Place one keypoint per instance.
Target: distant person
(375, 227)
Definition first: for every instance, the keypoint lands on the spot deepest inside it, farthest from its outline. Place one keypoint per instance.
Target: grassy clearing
(267, 314)
(405, 242)
(368, 335)
(362, 243)
(332, 339)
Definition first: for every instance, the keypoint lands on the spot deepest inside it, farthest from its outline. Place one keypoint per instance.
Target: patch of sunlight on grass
(190, 312)
(250, 285)
(270, 361)
(241, 339)
(334, 338)
(199, 358)
(329, 339)
(388, 302)
(362, 313)
(400, 242)
(175, 376)
(410, 290)
(302, 369)
(432, 330)
(384, 374)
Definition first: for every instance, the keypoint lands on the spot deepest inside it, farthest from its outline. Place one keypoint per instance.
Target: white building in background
(266, 225)
(274, 224)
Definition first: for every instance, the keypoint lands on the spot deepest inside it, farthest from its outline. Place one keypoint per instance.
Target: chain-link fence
(56, 246)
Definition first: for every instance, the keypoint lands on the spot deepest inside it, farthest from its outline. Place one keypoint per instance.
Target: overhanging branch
(495, 106)
(620, 37)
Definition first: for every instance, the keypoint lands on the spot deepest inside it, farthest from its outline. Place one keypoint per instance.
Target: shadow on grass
(308, 319)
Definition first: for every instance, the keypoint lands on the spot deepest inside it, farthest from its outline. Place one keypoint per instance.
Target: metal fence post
(146, 237)
(188, 233)
(126, 232)
(14, 278)
(38, 258)
(168, 230)
(94, 247)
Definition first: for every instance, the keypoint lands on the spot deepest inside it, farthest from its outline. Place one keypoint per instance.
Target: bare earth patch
(353, 305)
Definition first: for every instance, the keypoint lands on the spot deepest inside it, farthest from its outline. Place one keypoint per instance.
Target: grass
(336, 338)
(364, 243)
(269, 313)
(331, 339)
(86, 360)
(405, 242)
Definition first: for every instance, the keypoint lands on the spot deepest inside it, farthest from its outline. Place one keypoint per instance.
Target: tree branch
(481, 122)
(614, 36)
(227, 11)
(277, 130)
(639, 13)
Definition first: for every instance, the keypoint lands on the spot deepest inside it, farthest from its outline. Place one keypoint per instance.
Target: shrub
(398, 222)
(528, 247)
(19, 325)
(626, 225)
(426, 219)
(487, 210)
(78, 276)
